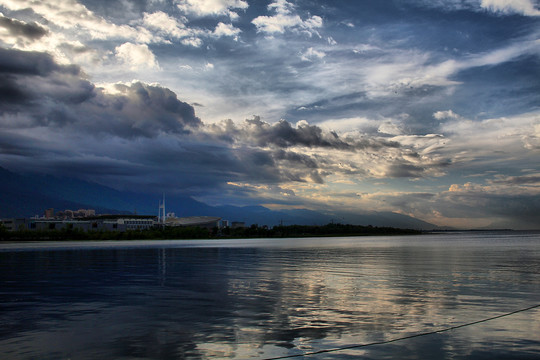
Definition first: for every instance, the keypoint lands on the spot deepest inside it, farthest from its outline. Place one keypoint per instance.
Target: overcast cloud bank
(355, 107)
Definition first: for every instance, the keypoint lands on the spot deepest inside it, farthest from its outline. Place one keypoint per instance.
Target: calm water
(257, 299)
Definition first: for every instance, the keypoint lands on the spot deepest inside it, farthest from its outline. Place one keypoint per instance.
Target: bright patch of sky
(426, 108)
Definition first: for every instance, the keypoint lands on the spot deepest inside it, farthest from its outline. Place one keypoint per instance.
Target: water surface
(257, 299)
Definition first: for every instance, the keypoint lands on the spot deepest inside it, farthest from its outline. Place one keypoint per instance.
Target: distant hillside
(387, 219)
(26, 196)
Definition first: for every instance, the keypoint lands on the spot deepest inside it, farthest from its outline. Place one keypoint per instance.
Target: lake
(267, 298)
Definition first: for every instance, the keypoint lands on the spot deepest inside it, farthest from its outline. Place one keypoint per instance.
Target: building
(207, 222)
(238, 224)
(14, 224)
(97, 223)
(112, 222)
(137, 223)
(74, 214)
(54, 224)
(223, 224)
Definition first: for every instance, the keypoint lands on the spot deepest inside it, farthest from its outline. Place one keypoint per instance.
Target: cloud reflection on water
(256, 302)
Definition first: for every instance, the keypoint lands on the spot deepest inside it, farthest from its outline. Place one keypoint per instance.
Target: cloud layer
(425, 108)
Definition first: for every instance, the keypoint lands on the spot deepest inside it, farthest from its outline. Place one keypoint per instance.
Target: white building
(207, 222)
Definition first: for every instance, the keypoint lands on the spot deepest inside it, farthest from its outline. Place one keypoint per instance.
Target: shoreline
(195, 233)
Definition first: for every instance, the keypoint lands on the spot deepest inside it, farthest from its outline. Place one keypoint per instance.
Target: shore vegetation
(171, 233)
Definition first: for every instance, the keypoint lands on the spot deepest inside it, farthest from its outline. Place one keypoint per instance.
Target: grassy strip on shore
(201, 233)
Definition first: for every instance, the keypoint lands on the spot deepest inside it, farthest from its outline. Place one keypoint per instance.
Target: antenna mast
(162, 214)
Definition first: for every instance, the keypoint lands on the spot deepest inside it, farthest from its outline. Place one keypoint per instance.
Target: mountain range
(29, 195)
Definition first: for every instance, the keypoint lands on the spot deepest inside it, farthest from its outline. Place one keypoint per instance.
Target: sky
(427, 108)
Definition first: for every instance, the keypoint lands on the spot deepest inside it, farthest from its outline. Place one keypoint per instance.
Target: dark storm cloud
(504, 206)
(139, 110)
(404, 170)
(295, 166)
(11, 93)
(410, 202)
(280, 137)
(73, 108)
(517, 180)
(32, 31)
(286, 151)
(30, 79)
(95, 167)
(523, 210)
(282, 134)
(296, 159)
(16, 145)
(377, 72)
(160, 133)
(520, 211)
(34, 84)
(31, 63)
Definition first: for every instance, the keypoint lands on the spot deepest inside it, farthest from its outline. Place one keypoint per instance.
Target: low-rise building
(207, 222)
(238, 224)
(97, 223)
(14, 224)
(73, 214)
(138, 223)
(49, 213)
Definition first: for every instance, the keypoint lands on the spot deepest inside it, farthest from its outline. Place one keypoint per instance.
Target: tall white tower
(162, 215)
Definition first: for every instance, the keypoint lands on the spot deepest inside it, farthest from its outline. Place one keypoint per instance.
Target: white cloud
(285, 19)
(362, 48)
(226, 30)
(351, 125)
(507, 141)
(137, 56)
(171, 27)
(406, 69)
(192, 41)
(276, 24)
(281, 6)
(312, 54)
(524, 7)
(391, 128)
(212, 7)
(448, 114)
(165, 23)
(69, 14)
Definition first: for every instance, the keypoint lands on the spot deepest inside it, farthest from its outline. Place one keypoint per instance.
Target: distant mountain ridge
(26, 196)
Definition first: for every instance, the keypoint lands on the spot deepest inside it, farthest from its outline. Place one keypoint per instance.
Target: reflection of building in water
(162, 263)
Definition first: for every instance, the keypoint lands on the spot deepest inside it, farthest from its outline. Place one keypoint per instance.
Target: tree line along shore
(173, 233)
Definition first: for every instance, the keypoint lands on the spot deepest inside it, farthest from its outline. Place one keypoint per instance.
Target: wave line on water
(357, 346)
